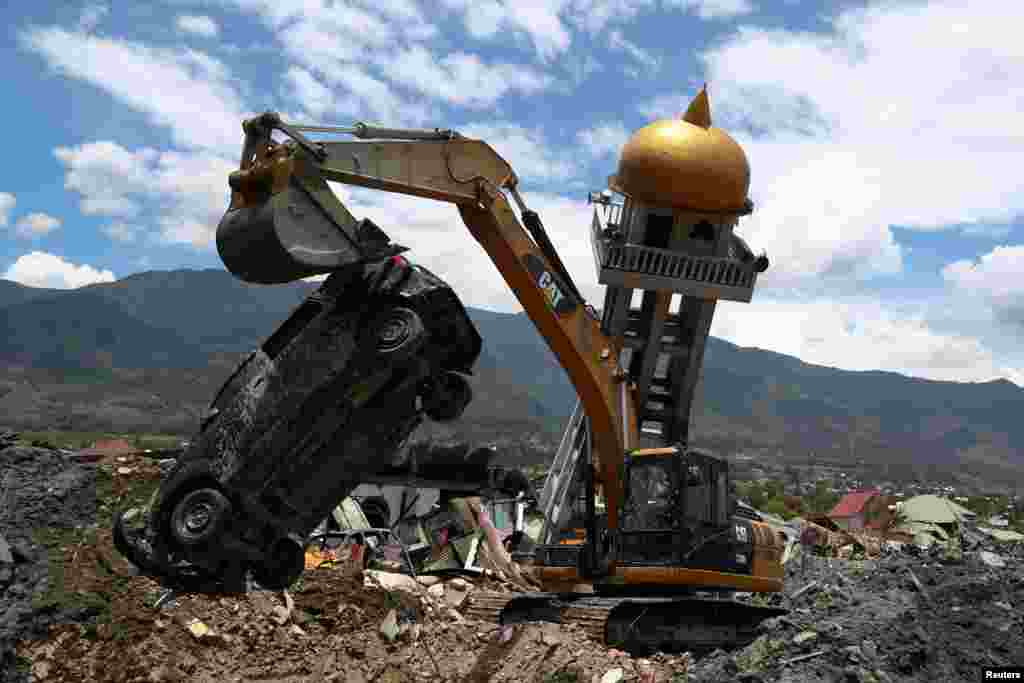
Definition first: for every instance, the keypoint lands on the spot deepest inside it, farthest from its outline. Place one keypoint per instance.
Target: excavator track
(636, 625)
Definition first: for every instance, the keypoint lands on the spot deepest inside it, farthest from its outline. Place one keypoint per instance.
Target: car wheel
(396, 329)
(447, 398)
(200, 517)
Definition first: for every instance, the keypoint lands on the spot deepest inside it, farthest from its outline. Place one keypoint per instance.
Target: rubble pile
(40, 492)
(896, 617)
(8, 437)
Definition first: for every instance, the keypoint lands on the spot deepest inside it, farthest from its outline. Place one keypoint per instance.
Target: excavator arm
(439, 165)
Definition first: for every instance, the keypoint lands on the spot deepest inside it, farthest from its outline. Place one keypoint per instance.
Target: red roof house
(106, 447)
(858, 509)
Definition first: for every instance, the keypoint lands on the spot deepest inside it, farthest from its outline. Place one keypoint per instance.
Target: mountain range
(148, 352)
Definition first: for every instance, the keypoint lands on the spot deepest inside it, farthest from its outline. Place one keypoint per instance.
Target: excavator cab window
(705, 496)
(649, 497)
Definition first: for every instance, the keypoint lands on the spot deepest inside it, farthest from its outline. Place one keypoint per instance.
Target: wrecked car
(333, 393)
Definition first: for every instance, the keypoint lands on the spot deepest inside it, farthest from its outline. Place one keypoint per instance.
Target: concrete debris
(390, 581)
(613, 676)
(992, 559)
(8, 437)
(166, 674)
(855, 619)
(280, 614)
(804, 589)
(917, 583)
(804, 637)
(389, 627)
(200, 631)
(6, 557)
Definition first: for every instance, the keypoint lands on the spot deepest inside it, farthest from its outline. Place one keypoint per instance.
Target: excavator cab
(677, 512)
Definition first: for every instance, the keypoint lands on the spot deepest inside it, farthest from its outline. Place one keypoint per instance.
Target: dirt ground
(71, 609)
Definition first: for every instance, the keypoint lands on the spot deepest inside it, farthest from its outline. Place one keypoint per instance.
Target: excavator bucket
(298, 231)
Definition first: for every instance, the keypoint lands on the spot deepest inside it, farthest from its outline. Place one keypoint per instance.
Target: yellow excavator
(644, 544)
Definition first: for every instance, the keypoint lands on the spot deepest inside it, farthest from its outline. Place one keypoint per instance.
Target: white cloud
(314, 96)
(714, 9)
(595, 15)
(120, 232)
(40, 269)
(604, 140)
(538, 21)
(108, 206)
(531, 155)
(865, 129)
(460, 78)
(994, 279)
(860, 335)
(619, 42)
(189, 190)
(91, 16)
(104, 173)
(369, 97)
(323, 35)
(189, 93)
(7, 202)
(544, 23)
(199, 25)
(36, 224)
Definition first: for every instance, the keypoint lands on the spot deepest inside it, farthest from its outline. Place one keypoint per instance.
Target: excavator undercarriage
(638, 624)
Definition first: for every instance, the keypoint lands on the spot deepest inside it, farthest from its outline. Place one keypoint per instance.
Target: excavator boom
(443, 166)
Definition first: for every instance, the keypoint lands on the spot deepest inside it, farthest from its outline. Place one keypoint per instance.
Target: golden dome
(685, 163)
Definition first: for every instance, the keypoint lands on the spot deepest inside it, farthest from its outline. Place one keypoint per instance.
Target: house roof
(929, 508)
(107, 446)
(853, 503)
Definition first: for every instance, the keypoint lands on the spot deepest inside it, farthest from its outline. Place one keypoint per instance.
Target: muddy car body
(333, 393)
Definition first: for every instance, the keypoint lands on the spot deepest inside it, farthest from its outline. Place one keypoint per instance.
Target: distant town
(788, 487)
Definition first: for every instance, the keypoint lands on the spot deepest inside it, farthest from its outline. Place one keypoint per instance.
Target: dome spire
(685, 163)
(699, 111)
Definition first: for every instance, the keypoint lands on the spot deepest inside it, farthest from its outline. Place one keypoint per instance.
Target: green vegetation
(70, 578)
(760, 653)
(768, 496)
(562, 677)
(85, 375)
(75, 440)
(822, 500)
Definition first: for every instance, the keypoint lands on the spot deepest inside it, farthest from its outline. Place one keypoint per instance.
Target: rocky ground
(71, 609)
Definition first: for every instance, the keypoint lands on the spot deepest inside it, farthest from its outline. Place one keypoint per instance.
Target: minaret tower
(684, 186)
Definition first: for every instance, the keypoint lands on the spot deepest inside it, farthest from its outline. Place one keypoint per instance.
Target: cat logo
(549, 284)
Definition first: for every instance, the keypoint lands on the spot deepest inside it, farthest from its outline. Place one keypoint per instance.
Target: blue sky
(884, 141)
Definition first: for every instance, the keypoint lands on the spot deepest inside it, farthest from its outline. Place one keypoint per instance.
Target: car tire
(447, 397)
(395, 330)
(200, 517)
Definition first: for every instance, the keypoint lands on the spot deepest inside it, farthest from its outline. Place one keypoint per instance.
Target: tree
(777, 507)
(822, 500)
